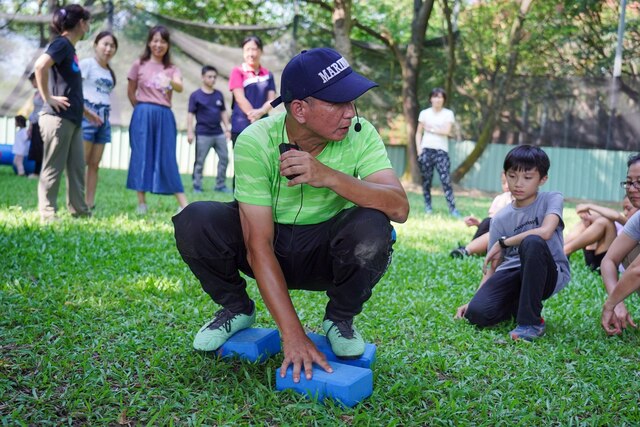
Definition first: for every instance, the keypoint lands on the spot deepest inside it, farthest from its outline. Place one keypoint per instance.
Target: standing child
(206, 105)
(526, 246)
(20, 145)
(98, 80)
(152, 135)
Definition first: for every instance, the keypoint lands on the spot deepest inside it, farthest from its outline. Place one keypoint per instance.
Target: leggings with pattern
(428, 159)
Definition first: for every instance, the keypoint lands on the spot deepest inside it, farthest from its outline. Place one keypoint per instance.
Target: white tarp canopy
(188, 53)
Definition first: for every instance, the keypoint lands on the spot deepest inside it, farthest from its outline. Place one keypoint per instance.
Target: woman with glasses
(624, 249)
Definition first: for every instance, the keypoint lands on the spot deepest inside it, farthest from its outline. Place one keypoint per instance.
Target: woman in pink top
(253, 88)
(152, 134)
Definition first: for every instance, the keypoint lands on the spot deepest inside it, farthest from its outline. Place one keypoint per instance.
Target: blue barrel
(6, 158)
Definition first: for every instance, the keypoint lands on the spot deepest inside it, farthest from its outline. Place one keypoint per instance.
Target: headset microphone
(358, 126)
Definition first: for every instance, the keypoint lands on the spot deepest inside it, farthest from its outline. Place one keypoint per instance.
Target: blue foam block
(347, 385)
(367, 359)
(252, 344)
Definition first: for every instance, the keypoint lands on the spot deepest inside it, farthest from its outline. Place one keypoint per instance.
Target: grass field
(98, 317)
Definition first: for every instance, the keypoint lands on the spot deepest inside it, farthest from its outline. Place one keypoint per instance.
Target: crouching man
(315, 194)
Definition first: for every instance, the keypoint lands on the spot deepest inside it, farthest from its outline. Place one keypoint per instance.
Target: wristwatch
(501, 242)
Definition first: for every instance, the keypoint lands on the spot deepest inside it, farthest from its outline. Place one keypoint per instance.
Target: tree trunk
(409, 63)
(410, 73)
(497, 98)
(6, 108)
(41, 30)
(451, 49)
(52, 6)
(341, 17)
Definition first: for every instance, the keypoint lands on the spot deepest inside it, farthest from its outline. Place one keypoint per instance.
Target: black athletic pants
(483, 228)
(36, 149)
(345, 256)
(438, 159)
(517, 292)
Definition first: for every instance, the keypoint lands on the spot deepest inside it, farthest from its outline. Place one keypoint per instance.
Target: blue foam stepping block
(252, 344)
(347, 385)
(367, 359)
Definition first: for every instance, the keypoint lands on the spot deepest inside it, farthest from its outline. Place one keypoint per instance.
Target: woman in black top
(60, 85)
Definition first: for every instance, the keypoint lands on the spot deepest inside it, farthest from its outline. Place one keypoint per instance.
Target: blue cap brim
(347, 89)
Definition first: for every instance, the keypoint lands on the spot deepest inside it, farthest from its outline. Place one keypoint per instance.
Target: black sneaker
(459, 252)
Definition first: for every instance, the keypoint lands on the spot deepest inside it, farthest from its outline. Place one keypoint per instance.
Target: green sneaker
(346, 342)
(218, 330)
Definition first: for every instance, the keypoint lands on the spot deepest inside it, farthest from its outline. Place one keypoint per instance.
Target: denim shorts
(92, 132)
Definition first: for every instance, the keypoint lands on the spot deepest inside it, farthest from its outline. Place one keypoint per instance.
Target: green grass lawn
(98, 317)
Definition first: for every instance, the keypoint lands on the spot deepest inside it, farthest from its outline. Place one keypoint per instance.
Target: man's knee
(200, 223)
(481, 315)
(368, 232)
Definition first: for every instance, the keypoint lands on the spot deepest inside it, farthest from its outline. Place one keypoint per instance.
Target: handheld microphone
(358, 126)
(286, 147)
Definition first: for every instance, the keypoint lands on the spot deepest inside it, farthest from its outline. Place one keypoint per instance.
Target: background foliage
(563, 39)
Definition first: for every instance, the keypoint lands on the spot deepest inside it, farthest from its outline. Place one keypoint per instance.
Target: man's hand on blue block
(301, 352)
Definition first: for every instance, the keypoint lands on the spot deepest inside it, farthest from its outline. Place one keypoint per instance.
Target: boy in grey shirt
(525, 263)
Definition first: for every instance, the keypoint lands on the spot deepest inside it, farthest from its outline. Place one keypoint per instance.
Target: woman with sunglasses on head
(624, 249)
(60, 85)
(98, 80)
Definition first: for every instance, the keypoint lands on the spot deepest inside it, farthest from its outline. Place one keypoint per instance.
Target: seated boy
(525, 263)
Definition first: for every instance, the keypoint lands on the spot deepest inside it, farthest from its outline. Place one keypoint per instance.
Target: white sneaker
(141, 209)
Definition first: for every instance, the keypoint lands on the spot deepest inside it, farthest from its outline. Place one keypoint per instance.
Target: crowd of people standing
(69, 126)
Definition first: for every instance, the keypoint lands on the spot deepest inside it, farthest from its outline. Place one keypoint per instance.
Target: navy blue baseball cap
(322, 73)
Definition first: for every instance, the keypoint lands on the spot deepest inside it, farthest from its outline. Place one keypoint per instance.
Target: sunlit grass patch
(98, 318)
